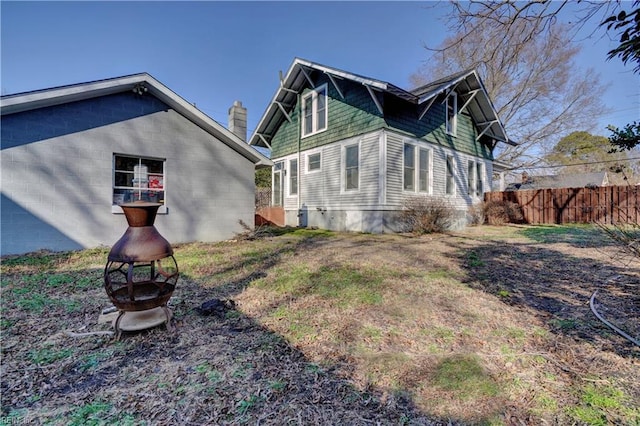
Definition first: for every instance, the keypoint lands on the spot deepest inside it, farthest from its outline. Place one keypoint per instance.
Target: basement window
(138, 179)
(314, 111)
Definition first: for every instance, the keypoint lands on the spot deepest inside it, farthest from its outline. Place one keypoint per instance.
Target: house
(572, 180)
(70, 155)
(349, 150)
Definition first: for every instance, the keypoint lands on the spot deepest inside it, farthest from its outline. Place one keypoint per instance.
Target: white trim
(343, 166)
(382, 169)
(418, 147)
(307, 154)
(451, 128)
(453, 174)
(314, 111)
(289, 194)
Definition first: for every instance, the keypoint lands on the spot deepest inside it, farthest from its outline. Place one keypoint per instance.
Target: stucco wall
(57, 175)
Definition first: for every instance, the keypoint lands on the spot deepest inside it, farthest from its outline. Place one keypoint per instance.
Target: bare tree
(526, 60)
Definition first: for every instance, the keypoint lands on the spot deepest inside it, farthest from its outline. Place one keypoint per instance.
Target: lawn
(491, 325)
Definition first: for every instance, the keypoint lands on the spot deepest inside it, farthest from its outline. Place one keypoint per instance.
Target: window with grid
(138, 179)
(314, 111)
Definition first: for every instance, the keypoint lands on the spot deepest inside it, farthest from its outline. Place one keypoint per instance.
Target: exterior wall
(57, 175)
(357, 114)
(377, 203)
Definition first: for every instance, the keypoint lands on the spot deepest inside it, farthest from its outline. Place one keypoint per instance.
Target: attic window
(314, 111)
(452, 113)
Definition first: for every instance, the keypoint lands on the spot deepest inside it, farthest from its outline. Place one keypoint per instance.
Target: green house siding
(357, 114)
(354, 115)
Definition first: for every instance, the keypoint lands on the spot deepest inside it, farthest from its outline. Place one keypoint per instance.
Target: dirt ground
(245, 363)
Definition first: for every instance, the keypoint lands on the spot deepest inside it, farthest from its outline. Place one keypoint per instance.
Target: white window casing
(452, 114)
(314, 111)
(137, 178)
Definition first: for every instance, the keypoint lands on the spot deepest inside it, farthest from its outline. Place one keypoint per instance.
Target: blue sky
(213, 53)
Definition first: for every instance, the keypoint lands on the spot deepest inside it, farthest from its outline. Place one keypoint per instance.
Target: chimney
(525, 177)
(238, 120)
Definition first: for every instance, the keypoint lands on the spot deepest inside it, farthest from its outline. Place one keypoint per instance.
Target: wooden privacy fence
(606, 204)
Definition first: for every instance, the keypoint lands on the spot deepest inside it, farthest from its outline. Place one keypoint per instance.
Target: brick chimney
(525, 177)
(238, 120)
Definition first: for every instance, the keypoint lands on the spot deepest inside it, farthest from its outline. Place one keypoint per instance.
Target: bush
(423, 215)
(501, 212)
(476, 214)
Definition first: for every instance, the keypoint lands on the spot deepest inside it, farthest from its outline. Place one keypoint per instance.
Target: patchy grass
(486, 326)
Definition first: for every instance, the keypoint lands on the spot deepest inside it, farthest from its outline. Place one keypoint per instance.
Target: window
(421, 173)
(137, 179)
(351, 167)
(452, 113)
(471, 177)
(479, 180)
(409, 167)
(314, 111)
(277, 184)
(450, 182)
(293, 177)
(313, 162)
(475, 184)
(424, 172)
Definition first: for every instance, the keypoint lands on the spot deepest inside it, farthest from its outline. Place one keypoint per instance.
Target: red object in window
(156, 181)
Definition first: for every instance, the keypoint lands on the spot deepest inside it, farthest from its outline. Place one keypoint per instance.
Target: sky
(214, 53)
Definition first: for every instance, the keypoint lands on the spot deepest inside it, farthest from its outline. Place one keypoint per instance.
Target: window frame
(411, 169)
(277, 199)
(428, 170)
(451, 114)
(308, 157)
(471, 178)
(417, 170)
(450, 176)
(160, 178)
(293, 177)
(475, 181)
(319, 92)
(345, 168)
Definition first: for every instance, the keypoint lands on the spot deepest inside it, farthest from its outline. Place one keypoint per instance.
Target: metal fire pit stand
(141, 272)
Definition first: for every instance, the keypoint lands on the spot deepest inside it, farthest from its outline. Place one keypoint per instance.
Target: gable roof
(574, 180)
(21, 102)
(475, 98)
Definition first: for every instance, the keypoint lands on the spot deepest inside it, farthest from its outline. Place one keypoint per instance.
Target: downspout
(299, 132)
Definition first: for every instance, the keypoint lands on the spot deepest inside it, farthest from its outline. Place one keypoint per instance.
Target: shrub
(501, 212)
(476, 214)
(423, 215)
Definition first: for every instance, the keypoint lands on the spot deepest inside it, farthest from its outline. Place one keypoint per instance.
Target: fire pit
(141, 272)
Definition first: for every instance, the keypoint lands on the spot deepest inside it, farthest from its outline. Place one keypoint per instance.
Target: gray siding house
(349, 150)
(70, 155)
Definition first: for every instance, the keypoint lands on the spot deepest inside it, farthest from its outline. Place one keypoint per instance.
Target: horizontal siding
(354, 115)
(324, 188)
(395, 163)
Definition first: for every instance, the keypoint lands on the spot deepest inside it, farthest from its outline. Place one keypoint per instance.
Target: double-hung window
(452, 114)
(351, 167)
(450, 183)
(474, 175)
(424, 170)
(416, 168)
(409, 167)
(138, 179)
(314, 111)
(293, 176)
(314, 162)
(471, 177)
